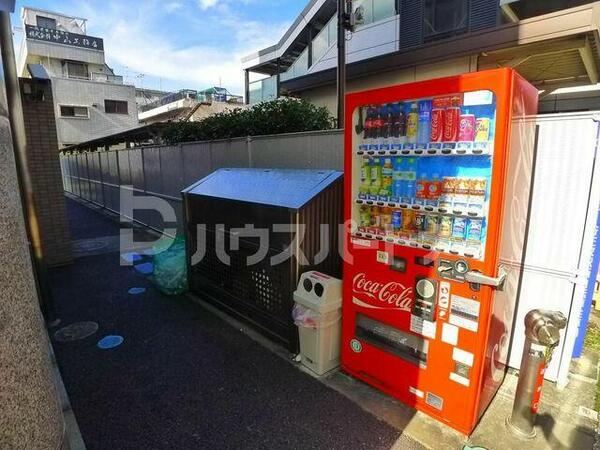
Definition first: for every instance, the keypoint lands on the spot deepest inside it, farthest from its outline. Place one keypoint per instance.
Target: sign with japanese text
(63, 37)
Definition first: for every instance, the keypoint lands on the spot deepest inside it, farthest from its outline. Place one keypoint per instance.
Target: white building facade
(90, 100)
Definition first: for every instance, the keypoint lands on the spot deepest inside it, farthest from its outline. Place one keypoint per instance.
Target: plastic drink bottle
(388, 123)
(375, 185)
(434, 190)
(368, 129)
(378, 126)
(364, 218)
(397, 178)
(410, 180)
(424, 127)
(412, 124)
(421, 193)
(401, 124)
(386, 179)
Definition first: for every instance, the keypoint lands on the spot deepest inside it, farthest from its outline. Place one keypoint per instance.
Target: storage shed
(251, 233)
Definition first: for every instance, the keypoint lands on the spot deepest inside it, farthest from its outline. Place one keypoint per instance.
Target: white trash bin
(318, 314)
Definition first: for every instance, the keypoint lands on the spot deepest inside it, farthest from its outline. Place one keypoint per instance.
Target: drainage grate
(76, 331)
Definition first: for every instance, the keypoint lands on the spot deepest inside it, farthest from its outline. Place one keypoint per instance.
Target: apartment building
(553, 43)
(90, 99)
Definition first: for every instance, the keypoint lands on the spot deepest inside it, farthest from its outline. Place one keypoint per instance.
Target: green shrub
(285, 115)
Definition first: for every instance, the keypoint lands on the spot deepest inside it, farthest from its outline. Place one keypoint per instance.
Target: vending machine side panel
(515, 218)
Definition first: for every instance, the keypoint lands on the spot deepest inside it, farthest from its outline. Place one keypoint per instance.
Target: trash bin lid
(276, 187)
(319, 292)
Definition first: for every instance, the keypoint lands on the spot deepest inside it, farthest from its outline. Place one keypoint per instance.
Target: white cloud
(136, 41)
(205, 4)
(130, 42)
(173, 6)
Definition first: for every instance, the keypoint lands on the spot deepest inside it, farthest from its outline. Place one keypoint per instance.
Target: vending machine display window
(425, 170)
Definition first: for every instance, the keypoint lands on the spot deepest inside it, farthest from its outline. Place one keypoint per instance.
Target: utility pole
(347, 20)
(341, 66)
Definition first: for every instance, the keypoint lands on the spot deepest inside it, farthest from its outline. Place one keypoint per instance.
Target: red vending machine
(437, 194)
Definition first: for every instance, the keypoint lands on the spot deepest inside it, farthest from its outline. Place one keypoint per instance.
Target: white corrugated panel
(564, 207)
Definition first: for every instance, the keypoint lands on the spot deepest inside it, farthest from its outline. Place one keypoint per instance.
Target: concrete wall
(326, 95)
(44, 166)
(71, 130)
(163, 171)
(30, 413)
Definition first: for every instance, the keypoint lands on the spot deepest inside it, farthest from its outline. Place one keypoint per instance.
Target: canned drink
(451, 123)
(482, 129)
(466, 131)
(448, 190)
(459, 229)
(477, 189)
(445, 227)
(461, 194)
(375, 217)
(432, 224)
(386, 220)
(437, 124)
(420, 222)
(408, 220)
(475, 230)
(396, 220)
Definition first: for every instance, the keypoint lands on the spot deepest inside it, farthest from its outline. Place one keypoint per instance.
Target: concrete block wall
(44, 166)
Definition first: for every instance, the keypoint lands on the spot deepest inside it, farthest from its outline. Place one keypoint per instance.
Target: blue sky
(178, 44)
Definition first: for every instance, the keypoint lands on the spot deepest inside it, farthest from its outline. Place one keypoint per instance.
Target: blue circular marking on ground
(131, 257)
(144, 268)
(136, 290)
(110, 341)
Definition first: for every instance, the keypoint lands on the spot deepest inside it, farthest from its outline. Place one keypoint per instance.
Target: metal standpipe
(542, 335)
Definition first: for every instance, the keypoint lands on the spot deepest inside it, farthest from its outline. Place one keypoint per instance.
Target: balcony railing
(371, 11)
(169, 98)
(193, 95)
(218, 97)
(107, 78)
(263, 90)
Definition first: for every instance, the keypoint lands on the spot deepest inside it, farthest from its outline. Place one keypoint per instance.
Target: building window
(80, 112)
(443, 18)
(46, 22)
(115, 107)
(77, 70)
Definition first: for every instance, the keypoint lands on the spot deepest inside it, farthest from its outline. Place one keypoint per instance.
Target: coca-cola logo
(385, 295)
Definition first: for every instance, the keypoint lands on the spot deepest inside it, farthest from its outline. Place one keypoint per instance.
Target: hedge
(285, 115)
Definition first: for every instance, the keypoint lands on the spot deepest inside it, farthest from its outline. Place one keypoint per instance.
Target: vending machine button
(461, 267)
(398, 264)
(423, 261)
(425, 288)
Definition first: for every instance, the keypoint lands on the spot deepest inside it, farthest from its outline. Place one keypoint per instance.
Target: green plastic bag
(170, 268)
